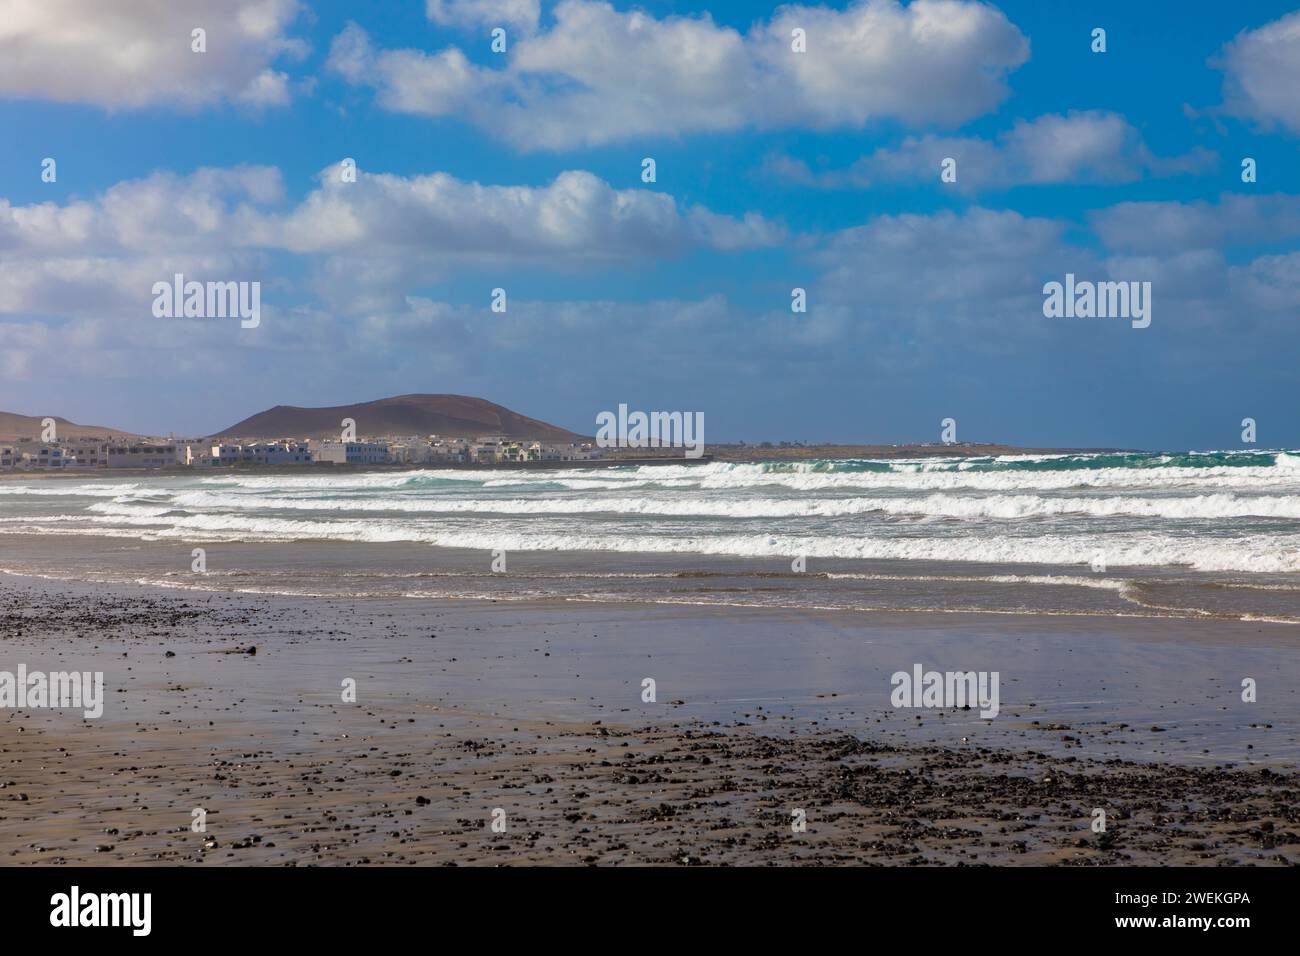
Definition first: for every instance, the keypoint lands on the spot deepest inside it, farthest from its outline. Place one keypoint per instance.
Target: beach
(1077, 658)
(230, 703)
(591, 433)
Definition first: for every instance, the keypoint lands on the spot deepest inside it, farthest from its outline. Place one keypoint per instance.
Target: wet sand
(535, 709)
(391, 571)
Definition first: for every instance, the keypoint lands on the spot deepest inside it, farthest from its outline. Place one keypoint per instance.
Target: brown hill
(29, 426)
(453, 415)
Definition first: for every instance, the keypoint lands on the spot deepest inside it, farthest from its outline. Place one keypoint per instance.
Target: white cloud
(1092, 146)
(364, 243)
(600, 75)
(1262, 73)
(518, 14)
(211, 207)
(1269, 283)
(91, 287)
(344, 272)
(928, 277)
(932, 61)
(891, 302)
(1167, 227)
(138, 53)
(576, 217)
(268, 88)
(919, 286)
(410, 81)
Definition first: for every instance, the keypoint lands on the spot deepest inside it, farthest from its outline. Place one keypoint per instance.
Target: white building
(569, 451)
(84, 452)
(39, 455)
(352, 452)
(225, 453)
(193, 452)
(138, 455)
(259, 453)
(282, 453)
(90, 453)
(410, 450)
(449, 449)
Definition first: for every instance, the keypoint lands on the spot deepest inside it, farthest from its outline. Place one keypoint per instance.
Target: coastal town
(32, 454)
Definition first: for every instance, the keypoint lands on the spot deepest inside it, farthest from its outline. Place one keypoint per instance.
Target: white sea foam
(1218, 505)
(1044, 509)
(65, 489)
(1277, 554)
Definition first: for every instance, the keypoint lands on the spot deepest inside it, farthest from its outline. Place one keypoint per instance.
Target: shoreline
(732, 454)
(322, 468)
(414, 568)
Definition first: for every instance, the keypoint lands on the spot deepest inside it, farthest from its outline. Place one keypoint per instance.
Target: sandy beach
(231, 703)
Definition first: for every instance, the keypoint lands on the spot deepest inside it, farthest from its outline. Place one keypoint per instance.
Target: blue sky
(775, 170)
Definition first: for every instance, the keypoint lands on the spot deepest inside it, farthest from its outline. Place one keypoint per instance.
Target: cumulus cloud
(162, 211)
(576, 217)
(360, 248)
(933, 279)
(518, 14)
(1269, 283)
(896, 297)
(410, 81)
(365, 242)
(1164, 227)
(976, 249)
(600, 75)
(268, 88)
(124, 55)
(1093, 146)
(1261, 71)
(902, 290)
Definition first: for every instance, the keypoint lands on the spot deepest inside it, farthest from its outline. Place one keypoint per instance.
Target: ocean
(1201, 534)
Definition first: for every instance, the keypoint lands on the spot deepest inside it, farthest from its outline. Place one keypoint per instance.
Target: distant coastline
(616, 458)
(336, 468)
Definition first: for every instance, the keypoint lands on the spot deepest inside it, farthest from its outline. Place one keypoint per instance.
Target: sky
(775, 169)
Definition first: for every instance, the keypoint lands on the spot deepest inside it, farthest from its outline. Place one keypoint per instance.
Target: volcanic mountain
(452, 415)
(29, 426)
